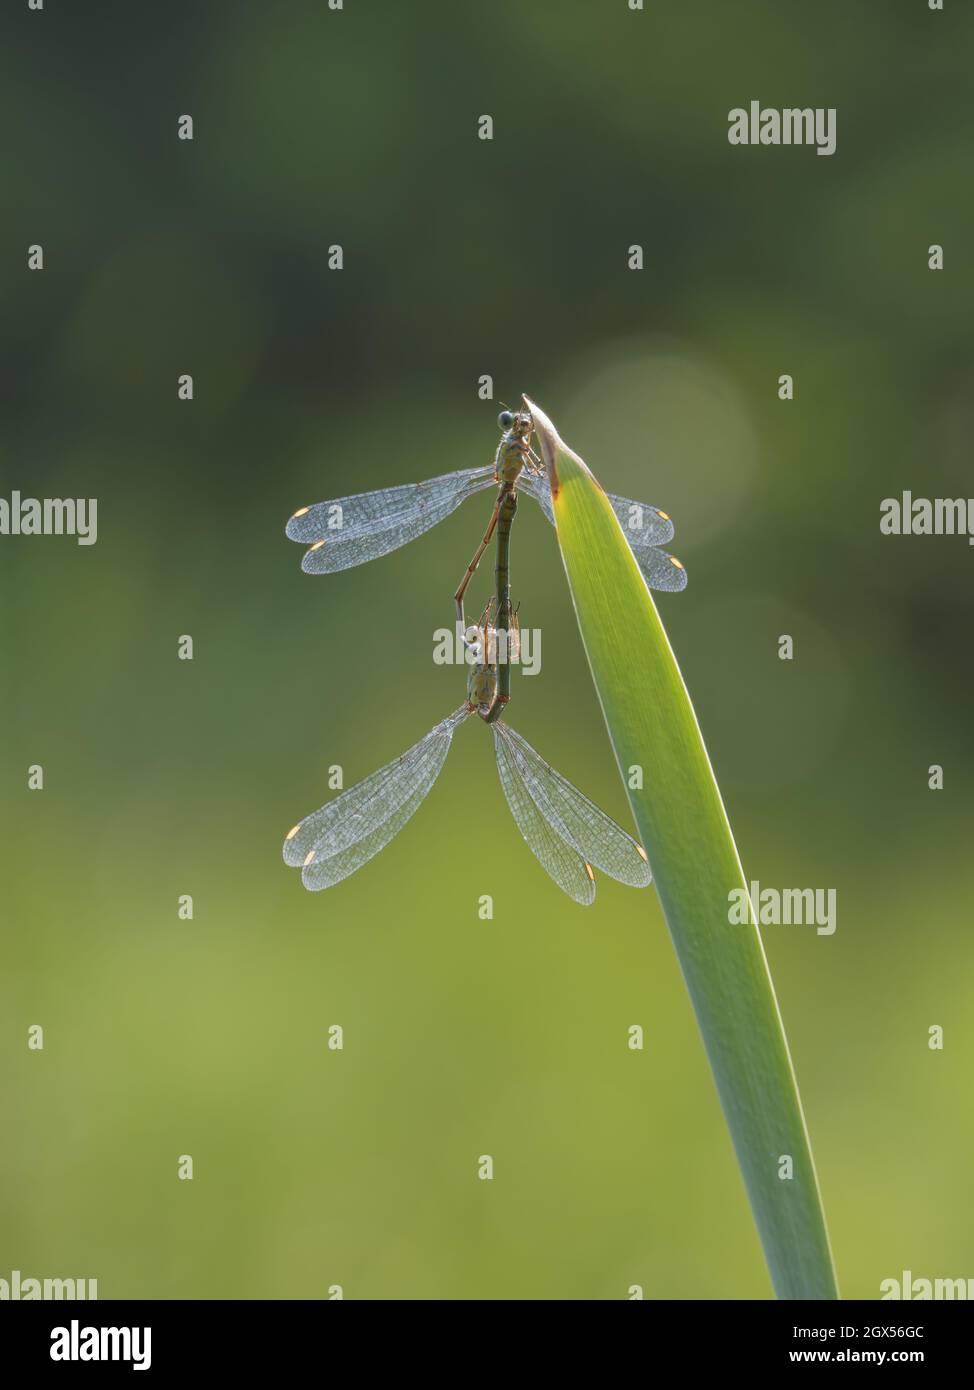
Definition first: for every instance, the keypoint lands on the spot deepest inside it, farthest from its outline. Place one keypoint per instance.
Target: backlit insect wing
(334, 841)
(555, 852)
(646, 528)
(603, 844)
(642, 524)
(536, 485)
(661, 570)
(349, 531)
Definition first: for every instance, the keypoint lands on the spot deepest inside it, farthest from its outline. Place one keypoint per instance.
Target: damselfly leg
(471, 568)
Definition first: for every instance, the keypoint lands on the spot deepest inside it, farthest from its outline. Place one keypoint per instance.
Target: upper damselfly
(349, 531)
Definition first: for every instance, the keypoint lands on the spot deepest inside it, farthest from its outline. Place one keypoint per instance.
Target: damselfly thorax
(514, 452)
(513, 457)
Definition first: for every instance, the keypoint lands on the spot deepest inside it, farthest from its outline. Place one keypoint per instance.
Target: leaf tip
(552, 445)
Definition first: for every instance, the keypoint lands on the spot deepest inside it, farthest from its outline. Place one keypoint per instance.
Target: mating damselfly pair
(567, 832)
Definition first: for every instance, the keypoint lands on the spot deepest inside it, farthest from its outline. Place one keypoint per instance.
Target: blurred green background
(162, 777)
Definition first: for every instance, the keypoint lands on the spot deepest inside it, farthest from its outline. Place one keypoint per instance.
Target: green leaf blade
(695, 863)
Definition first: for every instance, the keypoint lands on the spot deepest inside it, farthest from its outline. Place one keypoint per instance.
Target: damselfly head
(517, 423)
(523, 426)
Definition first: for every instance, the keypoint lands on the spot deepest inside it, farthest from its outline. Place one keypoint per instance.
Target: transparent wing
(339, 838)
(351, 530)
(643, 525)
(660, 570)
(538, 487)
(556, 855)
(600, 840)
(645, 528)
(325, 873)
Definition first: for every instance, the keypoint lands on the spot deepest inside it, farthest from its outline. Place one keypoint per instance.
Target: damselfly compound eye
(505, 419)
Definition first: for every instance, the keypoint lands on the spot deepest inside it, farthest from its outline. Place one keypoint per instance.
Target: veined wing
(537, 486)
(645, 528)
(661, 570)
(325, 873)
(603, 843)
(557, 856)
(643, 525)
(365, 511)
(339, 838)
(351, 530)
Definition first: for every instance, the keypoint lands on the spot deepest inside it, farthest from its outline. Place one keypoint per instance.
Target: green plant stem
(685, 831)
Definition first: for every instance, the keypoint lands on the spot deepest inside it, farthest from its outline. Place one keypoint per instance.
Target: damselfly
(351, 530)
(569, 835)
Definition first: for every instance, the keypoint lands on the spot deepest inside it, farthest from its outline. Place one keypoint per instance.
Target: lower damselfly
(568, 834)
